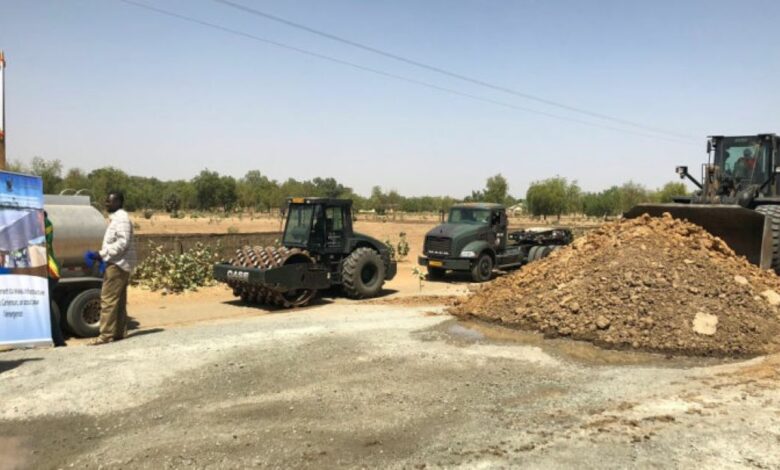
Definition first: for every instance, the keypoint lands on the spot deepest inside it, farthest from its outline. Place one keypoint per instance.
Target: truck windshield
(745, 159)
(298, 228)
(467, 215)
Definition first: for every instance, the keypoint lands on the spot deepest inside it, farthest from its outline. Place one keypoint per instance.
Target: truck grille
(438, 246)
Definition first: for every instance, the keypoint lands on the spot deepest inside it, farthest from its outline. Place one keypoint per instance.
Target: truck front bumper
(453, 264)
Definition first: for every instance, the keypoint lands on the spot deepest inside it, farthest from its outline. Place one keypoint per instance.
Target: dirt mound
(656, 284)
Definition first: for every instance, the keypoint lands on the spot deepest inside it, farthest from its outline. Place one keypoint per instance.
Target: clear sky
(97, 83)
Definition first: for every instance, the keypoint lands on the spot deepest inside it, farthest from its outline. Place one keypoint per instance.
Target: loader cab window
(745, 159)
(467, 215)
(299, 224)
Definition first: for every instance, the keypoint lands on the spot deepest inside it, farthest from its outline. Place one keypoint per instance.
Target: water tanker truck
(78, 227)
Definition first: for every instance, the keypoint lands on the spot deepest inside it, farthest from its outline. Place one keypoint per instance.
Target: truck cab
(476, 239)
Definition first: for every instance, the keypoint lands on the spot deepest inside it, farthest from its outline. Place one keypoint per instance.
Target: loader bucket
(745, 231)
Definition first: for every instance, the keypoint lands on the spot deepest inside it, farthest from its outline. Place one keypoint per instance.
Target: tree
(227, 196)
(573, 198)
(213, 191)
(329, 187)
(16, 166)
(631, 194)
(76, 180)
(256, 190)
(50, 172)
(378, 200)
(603, 204)
(496, 189)
(669, 190)
(553, 196)
(172, 204)
(106, 179)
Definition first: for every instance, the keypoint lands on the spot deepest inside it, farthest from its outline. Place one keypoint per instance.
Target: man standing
(118, 252)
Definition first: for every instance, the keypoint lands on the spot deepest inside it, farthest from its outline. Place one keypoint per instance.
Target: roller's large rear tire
(363, 274)
(773, 213)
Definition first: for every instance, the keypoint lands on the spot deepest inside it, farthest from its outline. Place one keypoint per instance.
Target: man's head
(114, 201)
(747, 153)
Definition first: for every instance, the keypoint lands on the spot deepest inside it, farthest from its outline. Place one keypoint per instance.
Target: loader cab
(746, 160)
(323, 225)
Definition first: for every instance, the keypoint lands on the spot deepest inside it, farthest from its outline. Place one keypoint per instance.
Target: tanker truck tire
(363, 274)
(83, 315)
(773, 212)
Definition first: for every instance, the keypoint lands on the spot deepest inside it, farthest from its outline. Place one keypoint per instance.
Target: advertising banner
(24, 288)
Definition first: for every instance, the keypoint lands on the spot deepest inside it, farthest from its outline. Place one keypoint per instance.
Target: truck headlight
(467, 254)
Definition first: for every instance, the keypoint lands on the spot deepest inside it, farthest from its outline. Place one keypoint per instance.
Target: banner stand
(24, 282)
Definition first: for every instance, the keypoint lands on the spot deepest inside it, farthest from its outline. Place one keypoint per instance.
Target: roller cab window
(299, 224)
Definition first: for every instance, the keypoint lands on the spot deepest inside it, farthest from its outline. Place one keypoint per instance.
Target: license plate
(435, 264)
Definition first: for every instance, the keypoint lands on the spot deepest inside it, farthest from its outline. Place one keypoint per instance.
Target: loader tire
(436, 273)
(773, 212)
(363, 274)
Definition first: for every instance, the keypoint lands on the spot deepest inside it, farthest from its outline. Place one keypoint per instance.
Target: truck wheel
(436, 273)
(532, 253)
(363, 274)
(543, 252)
(773, 213)
(83, 315)
(482, 269)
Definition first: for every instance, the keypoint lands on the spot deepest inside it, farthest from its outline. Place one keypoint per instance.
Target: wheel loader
(319, 250)
(738, 197)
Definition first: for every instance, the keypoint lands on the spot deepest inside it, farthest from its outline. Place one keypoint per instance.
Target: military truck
(475, 239)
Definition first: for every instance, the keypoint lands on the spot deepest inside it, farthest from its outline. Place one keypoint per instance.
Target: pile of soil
(656, 284)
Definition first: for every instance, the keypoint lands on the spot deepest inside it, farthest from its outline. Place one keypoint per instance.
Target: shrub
(174, 272)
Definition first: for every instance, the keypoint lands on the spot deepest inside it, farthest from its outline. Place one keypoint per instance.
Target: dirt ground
(356, 384)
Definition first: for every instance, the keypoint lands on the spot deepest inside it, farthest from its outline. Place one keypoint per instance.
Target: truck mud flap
(745, 231)
(284, 278)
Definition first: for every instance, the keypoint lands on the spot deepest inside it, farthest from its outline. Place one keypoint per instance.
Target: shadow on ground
(5, 366)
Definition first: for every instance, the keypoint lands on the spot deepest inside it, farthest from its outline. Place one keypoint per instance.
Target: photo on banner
(24, 290)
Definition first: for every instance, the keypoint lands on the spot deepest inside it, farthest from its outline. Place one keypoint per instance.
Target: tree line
(210, 191)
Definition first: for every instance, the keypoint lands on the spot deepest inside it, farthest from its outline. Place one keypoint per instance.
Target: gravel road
(354, 385)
